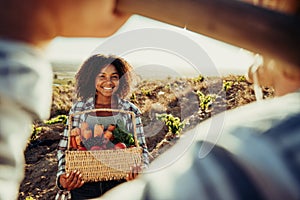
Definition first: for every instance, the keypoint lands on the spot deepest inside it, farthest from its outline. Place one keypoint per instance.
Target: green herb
(122, 135)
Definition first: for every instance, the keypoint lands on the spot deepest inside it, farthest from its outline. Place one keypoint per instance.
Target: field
(192, 100)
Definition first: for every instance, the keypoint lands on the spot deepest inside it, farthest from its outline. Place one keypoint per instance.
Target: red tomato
(120, 145)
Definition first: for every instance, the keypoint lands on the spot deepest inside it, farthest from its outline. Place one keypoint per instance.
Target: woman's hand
(134, 172)
(71, 181)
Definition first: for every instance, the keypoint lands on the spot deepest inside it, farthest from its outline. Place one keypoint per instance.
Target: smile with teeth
(107, 88)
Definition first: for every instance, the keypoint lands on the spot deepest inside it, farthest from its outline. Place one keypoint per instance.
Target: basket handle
(103, 109)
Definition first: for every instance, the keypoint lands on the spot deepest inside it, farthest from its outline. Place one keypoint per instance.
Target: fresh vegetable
(120, 145)
(108, 135)
(78, 140)
(98, 130)
(114, 137)
(111, 127)
(73, 142)
(121, 135)
(75, 131)
(84, 126)
(87, 134)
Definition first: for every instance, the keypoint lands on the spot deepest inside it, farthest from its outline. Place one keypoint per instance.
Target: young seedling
(174, 124)
(227, 85)
(206, 101)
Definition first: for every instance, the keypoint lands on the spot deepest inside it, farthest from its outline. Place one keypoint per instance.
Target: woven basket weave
(103, 165)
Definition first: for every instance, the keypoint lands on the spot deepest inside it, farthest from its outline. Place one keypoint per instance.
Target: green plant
(205, 100)
(241, 78)
(227, 85)
(174, 124)
(168, 86)
(35, 131)
(198, 79)
(57, 119)
(133, 97)
(146, 92)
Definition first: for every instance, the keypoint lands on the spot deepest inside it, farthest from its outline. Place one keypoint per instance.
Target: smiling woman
(99, 71)
(101, 82)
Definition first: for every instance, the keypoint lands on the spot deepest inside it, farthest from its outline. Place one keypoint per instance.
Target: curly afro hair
(85, 77)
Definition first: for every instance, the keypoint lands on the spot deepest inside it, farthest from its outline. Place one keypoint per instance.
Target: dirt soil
(172, 96)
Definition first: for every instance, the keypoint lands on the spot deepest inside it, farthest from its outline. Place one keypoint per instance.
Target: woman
(101, 82)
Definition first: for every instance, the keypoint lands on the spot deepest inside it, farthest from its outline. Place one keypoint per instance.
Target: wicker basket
(103, 165)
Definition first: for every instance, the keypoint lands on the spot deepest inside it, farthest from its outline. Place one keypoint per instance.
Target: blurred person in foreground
(254, 155)
(25, 74)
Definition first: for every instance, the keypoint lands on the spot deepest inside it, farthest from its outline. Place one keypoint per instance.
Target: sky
(228, 59)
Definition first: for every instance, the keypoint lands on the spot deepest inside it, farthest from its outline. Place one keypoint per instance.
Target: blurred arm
(37, 22)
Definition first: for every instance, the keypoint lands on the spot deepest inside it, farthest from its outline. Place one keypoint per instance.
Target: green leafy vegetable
(122, 135)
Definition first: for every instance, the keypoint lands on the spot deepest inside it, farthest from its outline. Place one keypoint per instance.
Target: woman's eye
(101, 77)
(115, 77)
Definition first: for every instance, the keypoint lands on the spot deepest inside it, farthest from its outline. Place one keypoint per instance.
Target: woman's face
(107, 81)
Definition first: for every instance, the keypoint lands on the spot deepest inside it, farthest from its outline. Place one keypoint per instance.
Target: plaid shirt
(77, 119)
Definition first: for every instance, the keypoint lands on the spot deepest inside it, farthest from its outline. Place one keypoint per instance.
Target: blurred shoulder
(266, 113)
